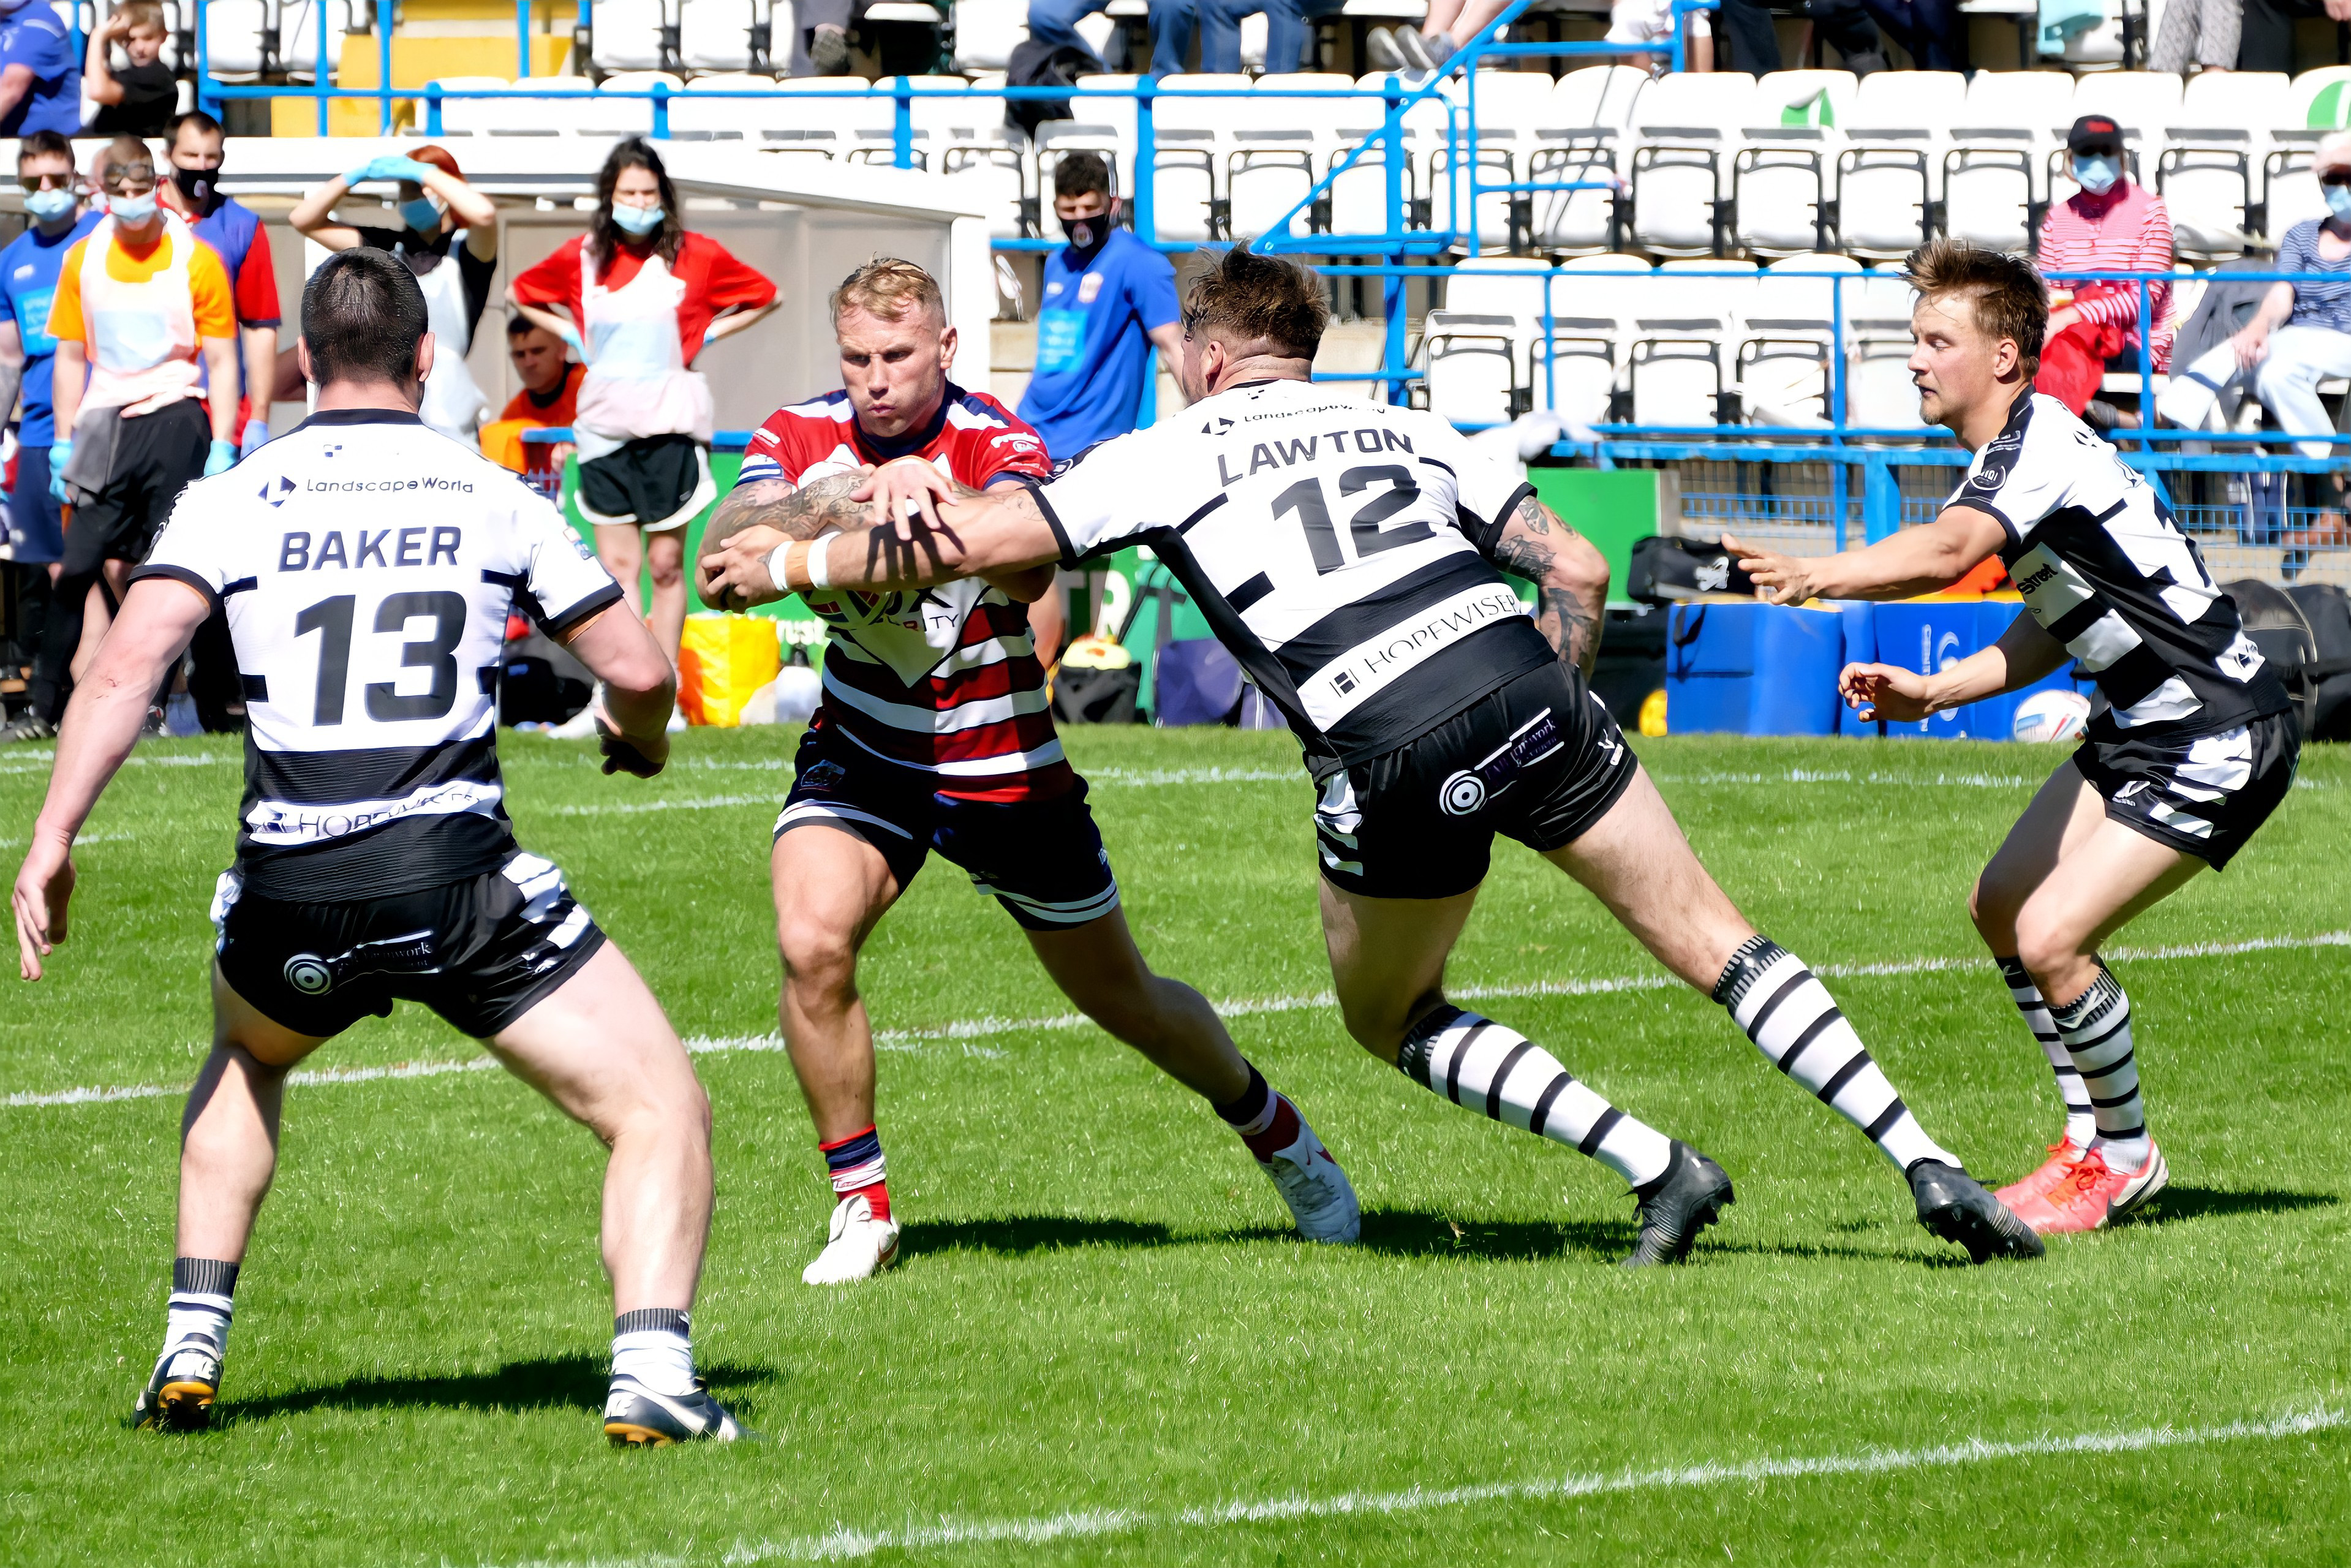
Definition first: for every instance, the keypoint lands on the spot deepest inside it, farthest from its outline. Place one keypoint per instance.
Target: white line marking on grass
(846, 1542)
(968, 1030)
(632, 807)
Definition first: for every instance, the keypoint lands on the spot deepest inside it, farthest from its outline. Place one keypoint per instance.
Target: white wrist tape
(819, 567)
(775, 562)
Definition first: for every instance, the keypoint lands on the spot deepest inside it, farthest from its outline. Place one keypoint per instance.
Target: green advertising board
(1615, 508)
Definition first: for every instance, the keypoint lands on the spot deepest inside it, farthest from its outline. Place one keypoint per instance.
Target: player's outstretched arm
(1924, 559)
(639, 688)
(978, 534)
(1570, 579)
(102, 725)
(756, 518)
(2024, 654)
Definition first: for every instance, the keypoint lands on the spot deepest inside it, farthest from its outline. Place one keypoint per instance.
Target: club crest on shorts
(307, 973)
(1462, 795)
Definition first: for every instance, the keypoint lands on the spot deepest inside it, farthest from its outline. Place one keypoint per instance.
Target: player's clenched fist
(733, 573)
(1885, 691)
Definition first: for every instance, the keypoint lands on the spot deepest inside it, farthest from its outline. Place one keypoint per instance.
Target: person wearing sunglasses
(28, 282)
(2110, 224)
(2299, 337)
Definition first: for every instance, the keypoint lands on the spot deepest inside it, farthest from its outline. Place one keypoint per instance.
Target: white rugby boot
(1320, 1198)
(637, 1418)
(859, 1247)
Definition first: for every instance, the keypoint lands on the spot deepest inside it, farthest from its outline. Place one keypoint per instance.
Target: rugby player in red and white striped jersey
(935, 734)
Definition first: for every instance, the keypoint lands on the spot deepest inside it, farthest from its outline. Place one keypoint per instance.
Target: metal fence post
(1392, 284)
(385, 14)
(1146, 161)
(1881, 500)
(522, 39)
(902, 127)
(432, 108)
(661, 111)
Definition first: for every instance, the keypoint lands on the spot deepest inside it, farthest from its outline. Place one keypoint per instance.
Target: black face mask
(195, 184)
(1087, 235)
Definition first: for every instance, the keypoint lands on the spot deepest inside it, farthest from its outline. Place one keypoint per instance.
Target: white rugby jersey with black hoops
(2105, 570)
(1332, 545)
(367, 566)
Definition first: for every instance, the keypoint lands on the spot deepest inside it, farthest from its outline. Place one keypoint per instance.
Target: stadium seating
(725, 35)
(1191, 138)
(1475, 345)
(607, 113)
(1591, 298)
(1685, 133)
(2008, 127)
(987, 31)
(1507, 107)
(298, 36)
(1579, 137)
(1677, 366)
(1279, 143)
(631, 35)
(1890, 172)
(2210, 173)
(235, 40)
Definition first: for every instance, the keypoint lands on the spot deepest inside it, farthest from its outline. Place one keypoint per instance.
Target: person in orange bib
(138, 302)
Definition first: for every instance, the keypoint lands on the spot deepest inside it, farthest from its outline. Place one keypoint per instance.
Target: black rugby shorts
(2202, 796)
(1538, 760)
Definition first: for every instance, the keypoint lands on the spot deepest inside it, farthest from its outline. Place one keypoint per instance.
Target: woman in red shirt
(640, 297)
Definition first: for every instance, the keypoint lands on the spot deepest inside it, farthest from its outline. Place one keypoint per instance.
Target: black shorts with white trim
(2203, 797)
(1042, 860)
(1539, 760)
(481, 952)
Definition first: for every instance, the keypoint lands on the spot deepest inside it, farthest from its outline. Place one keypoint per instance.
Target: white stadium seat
(1188, 146)
(1359, 195)
(1277, 147)
(1878, 392)
(469, 116)
(1991, 173)
(1892, 165)
(1676, 364)
(724, 35)
(987, 31)
(1594, 299)
(2209, 175)
(233, 39)
(1477, 342)
(1508, 105)
(1580, 137)
(607, 112)
(1783, 173)
(629, 36)
(1786, 336)
(698, 116)
(297, 37)
(1684, 130)
(2103, 44)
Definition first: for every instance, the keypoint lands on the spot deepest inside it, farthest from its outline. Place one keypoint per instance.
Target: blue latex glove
(571, 335)
(256, 436)
(390, 167)
(60, 453)
(220, 459)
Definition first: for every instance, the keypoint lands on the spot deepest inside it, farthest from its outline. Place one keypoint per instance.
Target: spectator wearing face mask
(40, 80)
(234, 231)
(1107, 300)
(2111, 224)
(449, 239)
(640, 297)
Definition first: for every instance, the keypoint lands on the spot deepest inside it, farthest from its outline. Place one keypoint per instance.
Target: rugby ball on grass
(2052, 715)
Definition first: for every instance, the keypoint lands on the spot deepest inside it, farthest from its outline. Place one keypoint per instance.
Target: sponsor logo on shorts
(308, 974)
(823, 778)
(1462, 795)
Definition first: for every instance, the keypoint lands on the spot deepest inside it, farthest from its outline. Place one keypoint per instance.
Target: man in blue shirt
(28, 278)
(40, 77)
(1108, 298)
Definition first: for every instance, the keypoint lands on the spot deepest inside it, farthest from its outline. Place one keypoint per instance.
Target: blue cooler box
(1933, 636)
(1752, 669)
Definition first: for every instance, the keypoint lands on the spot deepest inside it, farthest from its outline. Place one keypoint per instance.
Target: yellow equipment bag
(724, 659)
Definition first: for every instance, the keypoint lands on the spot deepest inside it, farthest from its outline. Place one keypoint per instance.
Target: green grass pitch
(1101, 1345)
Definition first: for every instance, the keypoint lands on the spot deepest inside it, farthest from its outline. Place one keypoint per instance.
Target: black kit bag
(2304, 633)
(1667, 569)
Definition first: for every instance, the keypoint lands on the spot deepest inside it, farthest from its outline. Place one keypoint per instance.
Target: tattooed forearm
(799, 514)
(1571, 580)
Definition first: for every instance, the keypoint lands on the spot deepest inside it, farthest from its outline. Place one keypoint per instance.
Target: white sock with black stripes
(2096, 1028)
(204, 1299)
(1517, 1082)
(2081, 1125)
(1796, 1025)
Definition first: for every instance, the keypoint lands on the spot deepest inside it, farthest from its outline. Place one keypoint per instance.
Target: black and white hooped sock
(1796, 1025)
(1473, 1061)
(1267, 1122)
(204, 1295)
(2081, 1127)
(2096, 1028)
(654, 1345)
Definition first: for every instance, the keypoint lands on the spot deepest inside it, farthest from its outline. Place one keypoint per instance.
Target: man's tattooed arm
(1570, 579)
(799, 513)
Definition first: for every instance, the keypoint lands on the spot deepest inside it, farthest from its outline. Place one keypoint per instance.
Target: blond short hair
(886, 289)
(145, 13)
(2006, 293)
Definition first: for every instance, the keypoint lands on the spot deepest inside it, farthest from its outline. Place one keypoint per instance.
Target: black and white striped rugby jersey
(1332, 544)
(367, 566)
(2107, 572)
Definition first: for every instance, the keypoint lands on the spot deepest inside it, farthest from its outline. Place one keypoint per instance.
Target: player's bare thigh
(1387, 960)
(599, 1047)
(832, 889)
(2064, 811)
(1637, 861)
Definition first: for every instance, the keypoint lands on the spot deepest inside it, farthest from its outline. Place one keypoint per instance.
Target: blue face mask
(2338, 200)
(421, 215)
(133, 210)
(638, 221)
(2096, 175)
(48, 207)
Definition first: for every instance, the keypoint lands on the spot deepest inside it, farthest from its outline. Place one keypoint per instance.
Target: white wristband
(819, 568)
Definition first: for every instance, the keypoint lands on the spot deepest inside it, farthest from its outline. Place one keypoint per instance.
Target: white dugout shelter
(804, 221)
